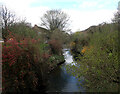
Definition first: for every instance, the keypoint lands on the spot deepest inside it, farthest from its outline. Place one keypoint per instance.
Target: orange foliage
(86, 48)
(72, 44)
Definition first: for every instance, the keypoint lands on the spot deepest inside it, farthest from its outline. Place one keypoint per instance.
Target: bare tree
(116, 18)
(55, 19)
(7, 17)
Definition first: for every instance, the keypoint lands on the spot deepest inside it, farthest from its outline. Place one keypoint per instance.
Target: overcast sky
(83, 13)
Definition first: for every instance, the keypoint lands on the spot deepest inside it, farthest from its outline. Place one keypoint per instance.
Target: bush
(99, 64)
(23, 66)
(26, 62)
(21, 30)
(55, 46)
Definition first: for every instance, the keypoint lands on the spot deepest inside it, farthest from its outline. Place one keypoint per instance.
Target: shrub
(55, 46)
(21, 62)
(99, 64)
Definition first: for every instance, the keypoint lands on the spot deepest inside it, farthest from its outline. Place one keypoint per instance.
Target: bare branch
(8, 17)
(55, 19)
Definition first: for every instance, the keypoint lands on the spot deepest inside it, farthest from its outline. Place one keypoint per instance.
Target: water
(61, 81)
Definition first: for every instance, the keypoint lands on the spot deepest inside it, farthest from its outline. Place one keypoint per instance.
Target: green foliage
(79, 39)
(22, 29)
(99, 64)
(62, 36)
(55, 58)
(27, 58)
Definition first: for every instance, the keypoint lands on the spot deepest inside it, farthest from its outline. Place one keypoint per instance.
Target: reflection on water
(60, 80)
(68, 57)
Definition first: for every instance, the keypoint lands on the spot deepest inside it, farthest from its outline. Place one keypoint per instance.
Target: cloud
(23, 10)
(81, 19)
(86, 4)
(84, 19)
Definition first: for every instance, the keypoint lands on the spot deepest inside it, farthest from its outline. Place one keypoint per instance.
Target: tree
(116, 18)
(7, 17)
(118, 12)
(55, 19)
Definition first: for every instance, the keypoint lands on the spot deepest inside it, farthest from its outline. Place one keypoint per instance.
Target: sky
(82, 13)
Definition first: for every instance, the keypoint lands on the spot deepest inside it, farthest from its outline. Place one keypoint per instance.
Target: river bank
(59, 80)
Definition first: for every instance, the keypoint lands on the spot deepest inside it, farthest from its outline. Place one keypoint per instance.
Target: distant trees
(116, 18)
(55, 19)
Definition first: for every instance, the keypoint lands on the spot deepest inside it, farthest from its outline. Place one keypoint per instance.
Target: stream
(61, 81)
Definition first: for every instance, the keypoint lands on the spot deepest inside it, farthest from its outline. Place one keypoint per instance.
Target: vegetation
(7, 19)
(97, 58)
(27, 59)
(28, 55)
(55, 19)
